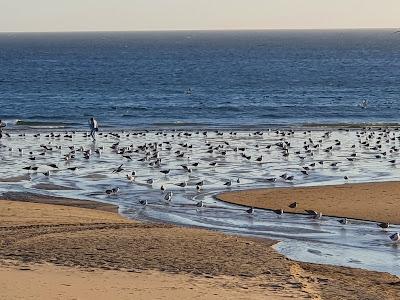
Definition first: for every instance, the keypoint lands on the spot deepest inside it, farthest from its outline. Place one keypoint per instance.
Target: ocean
(200, 79)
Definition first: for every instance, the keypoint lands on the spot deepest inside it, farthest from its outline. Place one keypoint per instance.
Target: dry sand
(54, 282)
(367, 201)
(59, 252)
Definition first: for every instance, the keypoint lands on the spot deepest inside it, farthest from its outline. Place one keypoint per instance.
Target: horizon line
(209, 30)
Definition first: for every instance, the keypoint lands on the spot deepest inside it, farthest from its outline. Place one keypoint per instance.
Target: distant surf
(44, 124)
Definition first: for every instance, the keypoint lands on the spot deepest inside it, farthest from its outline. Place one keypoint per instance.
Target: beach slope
(85, 253)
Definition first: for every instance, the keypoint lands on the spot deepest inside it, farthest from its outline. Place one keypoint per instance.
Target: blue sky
(83, 15)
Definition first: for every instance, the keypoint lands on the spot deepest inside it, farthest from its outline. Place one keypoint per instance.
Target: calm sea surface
(236, 79)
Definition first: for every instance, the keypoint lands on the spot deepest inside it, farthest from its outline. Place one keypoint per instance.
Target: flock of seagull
(215, 147)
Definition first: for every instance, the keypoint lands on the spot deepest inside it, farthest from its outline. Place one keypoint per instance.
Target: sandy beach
(87, 253)
(367, 201)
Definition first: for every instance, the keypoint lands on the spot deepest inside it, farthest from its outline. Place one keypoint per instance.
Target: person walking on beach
(2, 125)
(93, 128)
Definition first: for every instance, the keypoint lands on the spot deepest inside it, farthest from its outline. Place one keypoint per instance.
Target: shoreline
(355, 201)
(81, 128)
(98, 242)
(63, 201)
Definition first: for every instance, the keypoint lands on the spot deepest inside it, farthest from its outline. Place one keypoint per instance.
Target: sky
(132, 15)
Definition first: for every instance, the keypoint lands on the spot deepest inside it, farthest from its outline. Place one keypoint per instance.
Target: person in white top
(2, 125)
(93, 128)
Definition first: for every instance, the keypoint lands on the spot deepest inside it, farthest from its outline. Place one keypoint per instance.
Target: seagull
(165, 172)
(284, 176)
(383, 225)
(119, 169)
(278, 211)
(311, 212)
(186, 168)
(200, 203)
(143, 202)
(315, 214)
(130, 177)
(115, 190)
(395, 237)
(318, 216)
(182, 184)
(162, 188)
(228, 183)
(168, 196)
(343, 221)
(150, 181)
(250, 210)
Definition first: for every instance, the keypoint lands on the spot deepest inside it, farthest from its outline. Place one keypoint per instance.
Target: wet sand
(37, 198)
(366, 201)
(78, 252)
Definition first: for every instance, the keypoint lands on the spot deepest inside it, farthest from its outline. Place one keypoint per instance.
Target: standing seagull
(250, 210)
(383, 225)
(279, 212)
(182, 184)
(314, 214)
(228, 183)
(168, 197)
(165, 172)
(200, 203)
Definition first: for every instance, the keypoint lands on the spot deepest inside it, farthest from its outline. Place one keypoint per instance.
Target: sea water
(200, 79)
